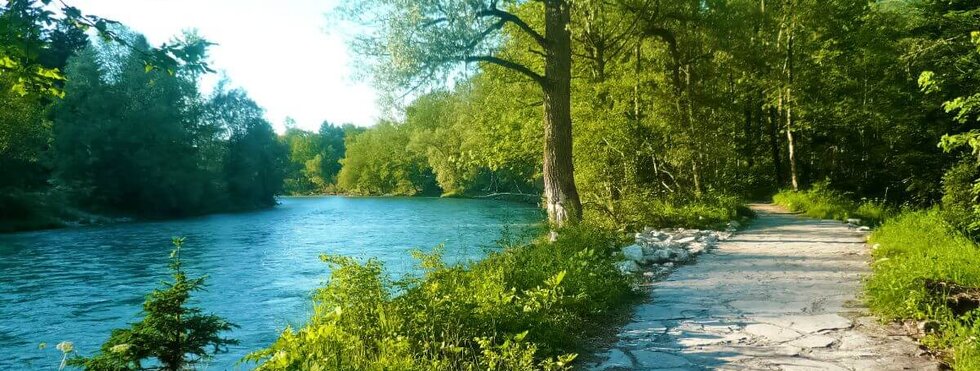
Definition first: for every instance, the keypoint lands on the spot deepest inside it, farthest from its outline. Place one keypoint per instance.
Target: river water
(78, 284)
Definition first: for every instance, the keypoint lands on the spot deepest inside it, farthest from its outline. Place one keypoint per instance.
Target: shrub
(531, 306)
(170, 334)
(913, 248)
(959, 206)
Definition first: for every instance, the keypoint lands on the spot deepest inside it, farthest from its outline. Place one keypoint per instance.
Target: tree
(253, 158)
(129, 136)
(171, 333)
(418, 41)
(27, 51)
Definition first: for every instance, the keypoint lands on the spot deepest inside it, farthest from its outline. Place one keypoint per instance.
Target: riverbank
(528, 306)
(537, 305)
(35, 211)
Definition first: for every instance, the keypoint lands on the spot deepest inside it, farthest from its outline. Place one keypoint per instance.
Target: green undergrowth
(710, 211)
(823, 203)
(530, 306)
(916, 247)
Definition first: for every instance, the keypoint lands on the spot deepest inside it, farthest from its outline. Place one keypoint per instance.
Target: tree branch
(524, 70)
(517, 21)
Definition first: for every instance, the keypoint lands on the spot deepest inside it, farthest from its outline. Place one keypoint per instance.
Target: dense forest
(675, 101)
(110, 134)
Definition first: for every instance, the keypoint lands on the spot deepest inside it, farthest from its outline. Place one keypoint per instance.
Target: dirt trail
(780, 295)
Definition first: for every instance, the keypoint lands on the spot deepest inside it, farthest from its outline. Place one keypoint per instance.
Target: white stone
(634, 253)
(627, 266)
(685, 240)
(863, 229)
(697, 247)
(659, 256)
(681, 255)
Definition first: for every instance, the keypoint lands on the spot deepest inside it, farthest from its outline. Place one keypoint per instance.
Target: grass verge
(822, 203)
(633, 213)
(914, 248)
(532, 306)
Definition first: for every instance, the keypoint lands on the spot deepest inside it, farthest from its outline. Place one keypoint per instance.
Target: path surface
(780, 295)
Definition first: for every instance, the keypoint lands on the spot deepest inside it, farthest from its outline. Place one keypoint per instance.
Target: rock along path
(780, 295)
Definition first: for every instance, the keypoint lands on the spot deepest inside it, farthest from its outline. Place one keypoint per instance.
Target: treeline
(314, 157)
(116, 135)
(675, 100)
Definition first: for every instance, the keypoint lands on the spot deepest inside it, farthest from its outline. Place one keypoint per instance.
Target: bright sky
(279, 51)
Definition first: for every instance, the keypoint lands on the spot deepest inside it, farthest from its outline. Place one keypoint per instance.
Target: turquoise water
(77, 284)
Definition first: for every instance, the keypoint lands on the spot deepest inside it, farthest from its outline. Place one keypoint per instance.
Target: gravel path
(780, 295)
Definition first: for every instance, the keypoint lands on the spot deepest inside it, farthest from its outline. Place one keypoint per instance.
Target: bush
(172, 336)
(635, 212)
(913, 248)
(532, 306)
(823, 203)
(959, 207)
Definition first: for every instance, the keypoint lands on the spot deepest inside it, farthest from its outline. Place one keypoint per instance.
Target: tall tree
(416, 42)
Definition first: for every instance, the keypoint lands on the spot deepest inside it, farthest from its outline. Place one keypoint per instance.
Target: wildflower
(65, 346)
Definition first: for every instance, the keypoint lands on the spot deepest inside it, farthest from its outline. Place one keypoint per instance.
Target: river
(78, 284)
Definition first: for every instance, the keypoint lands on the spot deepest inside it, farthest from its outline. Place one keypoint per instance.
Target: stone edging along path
(781, 295)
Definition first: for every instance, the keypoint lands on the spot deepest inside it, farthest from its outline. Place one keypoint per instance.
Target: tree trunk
(561, 196)
(791, 147)
(774, 145)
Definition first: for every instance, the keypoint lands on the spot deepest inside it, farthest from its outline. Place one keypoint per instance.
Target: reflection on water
(78, 284)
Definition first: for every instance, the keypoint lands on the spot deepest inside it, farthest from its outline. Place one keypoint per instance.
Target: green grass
(822, 203)
(530, 306)
(636, 212)
(914, 247)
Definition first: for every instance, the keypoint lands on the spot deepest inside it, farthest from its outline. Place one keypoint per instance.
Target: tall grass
(914, 247)
(533, 306)
(632, 213)
(823, 203)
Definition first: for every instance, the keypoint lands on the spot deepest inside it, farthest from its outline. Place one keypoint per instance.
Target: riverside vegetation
(681, 110)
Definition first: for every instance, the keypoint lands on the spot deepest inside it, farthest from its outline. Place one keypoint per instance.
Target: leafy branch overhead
(414, 43)
(26, 27)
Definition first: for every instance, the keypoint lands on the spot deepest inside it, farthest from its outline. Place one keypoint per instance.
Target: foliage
(959, 205)
(378, 163)
(171, 336)
(824, 203)
(314, 158)
(146, 142)
(634, 212)
(33, 41)
(914, 247)
(523, 307)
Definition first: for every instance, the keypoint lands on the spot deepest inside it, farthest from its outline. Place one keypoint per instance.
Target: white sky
(279, 51)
